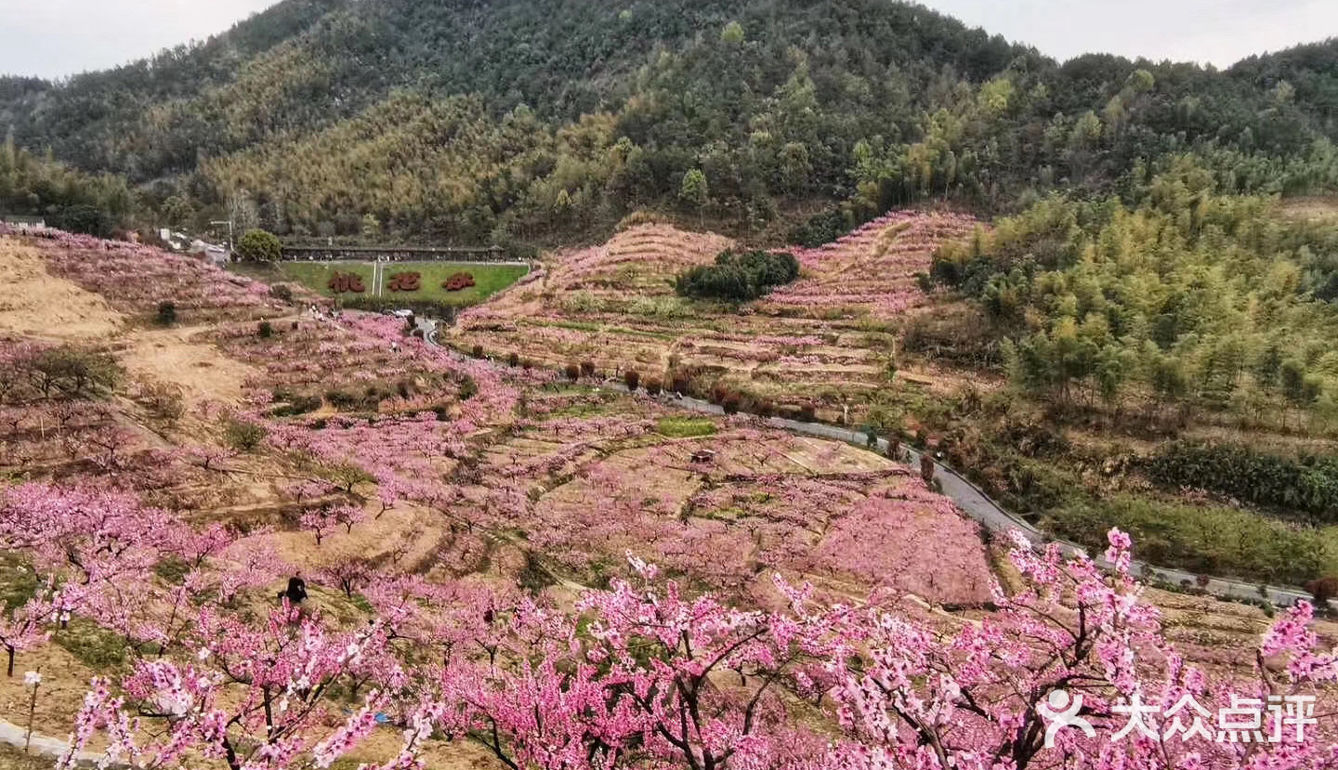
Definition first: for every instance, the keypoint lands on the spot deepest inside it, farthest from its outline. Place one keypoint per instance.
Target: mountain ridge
(596, 110)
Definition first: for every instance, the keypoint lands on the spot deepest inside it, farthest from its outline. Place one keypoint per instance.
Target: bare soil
(36, 303)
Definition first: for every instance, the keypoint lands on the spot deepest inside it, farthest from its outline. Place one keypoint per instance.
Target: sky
(1218, 32)
(55, 38)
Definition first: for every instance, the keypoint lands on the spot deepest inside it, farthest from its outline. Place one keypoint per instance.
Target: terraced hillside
(284, 443)
(817, 342)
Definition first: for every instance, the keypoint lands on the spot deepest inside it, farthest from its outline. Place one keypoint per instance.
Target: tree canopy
(544, 120)
(259, 246)
(1193, 297)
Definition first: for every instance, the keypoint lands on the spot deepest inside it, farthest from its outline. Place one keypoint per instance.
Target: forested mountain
(540, 120)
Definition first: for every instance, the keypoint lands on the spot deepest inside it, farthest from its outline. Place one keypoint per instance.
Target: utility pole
(227, 222)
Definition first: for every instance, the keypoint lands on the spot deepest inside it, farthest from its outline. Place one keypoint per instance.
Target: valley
(837, 387)
(266, 442)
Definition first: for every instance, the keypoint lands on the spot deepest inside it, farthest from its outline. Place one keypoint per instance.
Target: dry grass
(64, 682)
(180, 357)
(36, 303)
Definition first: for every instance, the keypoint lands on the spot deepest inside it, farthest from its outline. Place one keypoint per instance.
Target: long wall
(392, 254)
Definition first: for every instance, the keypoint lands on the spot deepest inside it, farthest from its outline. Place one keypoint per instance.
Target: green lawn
(488, 279)
(685, 427)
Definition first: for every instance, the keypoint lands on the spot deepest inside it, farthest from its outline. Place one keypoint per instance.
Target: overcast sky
(53, 38)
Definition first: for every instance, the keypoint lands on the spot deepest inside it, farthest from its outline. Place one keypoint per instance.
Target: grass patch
(685, 427)
(93, 645)
(18, 582)
(1203, 539)
(488, 279)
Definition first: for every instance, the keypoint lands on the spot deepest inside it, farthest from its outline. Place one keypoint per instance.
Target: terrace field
(824, 341)
(488, 279)
(445, 508)
(365, 461)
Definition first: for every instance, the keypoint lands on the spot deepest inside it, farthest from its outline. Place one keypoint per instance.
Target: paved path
(46, 746)
(978, 505)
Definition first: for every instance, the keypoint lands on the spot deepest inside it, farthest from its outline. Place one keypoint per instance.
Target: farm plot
(728, 508)
(827, 338)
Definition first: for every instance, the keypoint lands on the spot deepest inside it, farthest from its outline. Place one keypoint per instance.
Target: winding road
(975, 503)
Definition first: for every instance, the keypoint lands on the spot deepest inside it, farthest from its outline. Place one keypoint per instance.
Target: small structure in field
(703, 457)
(24, 224)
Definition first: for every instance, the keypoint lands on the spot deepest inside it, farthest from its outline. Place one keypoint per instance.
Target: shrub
(167, 313)
(582, 302)
(730, 403)
(85, 218)
(738, 277)
(420, 307)
(640, 217)
(719, 392)
(477, 352)
(680, 382)
(659, 307)
(587, 368)
(468, 387)
(1323, 590)
(242, 435)
(513, 359)
(824, 227)
(654, 386)
(1308, 484)
(632, 379)
(281, 291)
(573, 372)
(341, 399)
(344, 283)
(163, 401)
(412, 281)
(292, 404)
(260, 246)
(807, 413)
(264, 330)
(458, 282)
(1215, 540)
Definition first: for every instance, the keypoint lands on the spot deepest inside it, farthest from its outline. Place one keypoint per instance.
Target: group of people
(334, 313)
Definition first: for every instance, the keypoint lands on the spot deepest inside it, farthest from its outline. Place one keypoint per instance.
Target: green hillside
(546, 121)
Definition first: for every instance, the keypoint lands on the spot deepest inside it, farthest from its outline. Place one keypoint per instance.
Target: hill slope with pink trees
(365, 544)
(816, 343)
